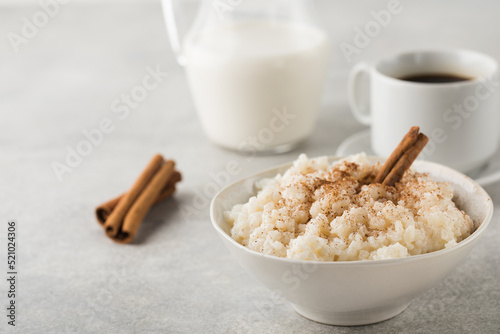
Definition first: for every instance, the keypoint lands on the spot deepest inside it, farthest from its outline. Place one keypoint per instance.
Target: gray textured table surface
(177, 277)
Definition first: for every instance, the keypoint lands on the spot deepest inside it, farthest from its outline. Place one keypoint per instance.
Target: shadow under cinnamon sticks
(157, 218)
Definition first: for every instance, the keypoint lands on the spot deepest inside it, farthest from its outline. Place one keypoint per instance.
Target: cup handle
(361, 111)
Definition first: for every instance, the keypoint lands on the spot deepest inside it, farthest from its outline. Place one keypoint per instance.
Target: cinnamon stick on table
(144, 202)
(402, 157)
(122, 216)
(103, 211)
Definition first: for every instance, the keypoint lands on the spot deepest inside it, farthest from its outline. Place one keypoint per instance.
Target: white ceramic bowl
(356, 292)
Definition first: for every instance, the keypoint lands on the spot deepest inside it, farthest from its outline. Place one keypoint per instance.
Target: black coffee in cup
(435, 78)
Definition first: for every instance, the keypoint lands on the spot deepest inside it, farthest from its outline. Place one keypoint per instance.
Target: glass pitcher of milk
(256, 69)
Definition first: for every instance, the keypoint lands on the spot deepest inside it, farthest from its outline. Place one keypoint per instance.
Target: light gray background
(178, 277)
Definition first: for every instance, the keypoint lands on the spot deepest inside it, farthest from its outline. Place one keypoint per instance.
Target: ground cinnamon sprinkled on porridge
(333, 212)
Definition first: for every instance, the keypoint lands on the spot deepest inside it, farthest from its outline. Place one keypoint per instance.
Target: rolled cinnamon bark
(143, 203)
(103, 211)
(169, 188)
(408, 140)
(115, 219)
(406, 160)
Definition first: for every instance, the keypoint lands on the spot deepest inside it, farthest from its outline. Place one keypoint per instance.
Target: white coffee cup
(461, 118)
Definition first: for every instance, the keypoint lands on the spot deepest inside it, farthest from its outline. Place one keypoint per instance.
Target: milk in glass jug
(256, 69)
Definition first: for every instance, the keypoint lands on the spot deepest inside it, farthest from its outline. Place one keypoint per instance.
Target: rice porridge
(333, 212)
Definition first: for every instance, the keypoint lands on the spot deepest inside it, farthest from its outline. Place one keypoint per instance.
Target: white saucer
(360, 142)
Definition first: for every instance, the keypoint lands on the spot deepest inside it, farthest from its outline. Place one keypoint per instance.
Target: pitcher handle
(171, 14)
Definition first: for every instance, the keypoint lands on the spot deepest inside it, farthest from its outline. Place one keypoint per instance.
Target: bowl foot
(355, 318)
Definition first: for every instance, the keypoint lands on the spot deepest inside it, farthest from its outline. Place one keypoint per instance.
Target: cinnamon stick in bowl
(402, 157)
(408, 140)
(122, 216)
(406, 160)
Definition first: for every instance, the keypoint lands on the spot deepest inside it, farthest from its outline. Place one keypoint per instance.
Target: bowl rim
(475, 235)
